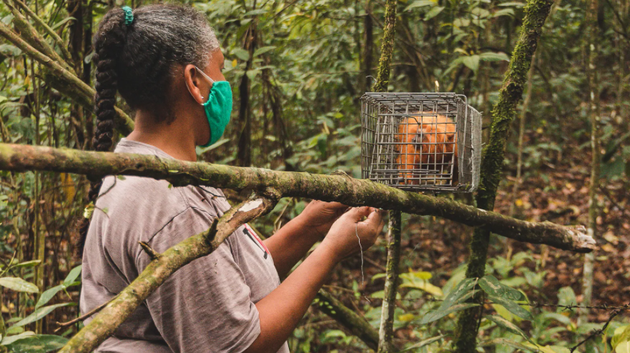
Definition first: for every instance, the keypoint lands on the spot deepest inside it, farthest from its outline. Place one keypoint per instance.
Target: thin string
(356, 230)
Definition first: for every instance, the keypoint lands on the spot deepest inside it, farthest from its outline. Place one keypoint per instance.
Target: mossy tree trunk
(503, 115)
(386, 330)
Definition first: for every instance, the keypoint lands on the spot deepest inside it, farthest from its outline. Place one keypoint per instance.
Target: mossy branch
(161, 267)
(503, 115)
(56, 38)
(65, 80)
(342, 188)
(30, 35)
(354, 323)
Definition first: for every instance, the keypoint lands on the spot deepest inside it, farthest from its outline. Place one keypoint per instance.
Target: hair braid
(137, 61)
(108, 43)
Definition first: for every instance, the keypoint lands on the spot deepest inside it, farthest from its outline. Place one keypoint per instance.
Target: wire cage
(420, 141)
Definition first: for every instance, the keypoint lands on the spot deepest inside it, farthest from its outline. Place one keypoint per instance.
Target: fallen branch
(353, 192)
(118, 310)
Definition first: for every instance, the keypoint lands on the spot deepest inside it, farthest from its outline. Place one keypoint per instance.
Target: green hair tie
(128, 15)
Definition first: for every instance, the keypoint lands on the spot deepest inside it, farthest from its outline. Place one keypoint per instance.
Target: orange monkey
(429, 143)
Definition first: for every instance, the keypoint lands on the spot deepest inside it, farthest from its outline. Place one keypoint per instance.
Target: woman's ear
(192, 81)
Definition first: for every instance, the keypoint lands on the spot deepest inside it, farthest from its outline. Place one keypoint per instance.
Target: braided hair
(137, 60)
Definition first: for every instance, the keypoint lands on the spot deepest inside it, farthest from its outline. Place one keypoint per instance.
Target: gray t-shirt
(207, 305)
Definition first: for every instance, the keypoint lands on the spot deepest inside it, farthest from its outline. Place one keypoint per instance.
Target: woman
(166, 63)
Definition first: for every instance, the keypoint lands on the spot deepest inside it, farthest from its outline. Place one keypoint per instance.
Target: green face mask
(218, 107)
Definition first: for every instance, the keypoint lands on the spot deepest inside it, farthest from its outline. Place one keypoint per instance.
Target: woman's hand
(342, 237)
(319, 216)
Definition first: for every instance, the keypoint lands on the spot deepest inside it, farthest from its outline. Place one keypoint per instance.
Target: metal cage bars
(421, 141)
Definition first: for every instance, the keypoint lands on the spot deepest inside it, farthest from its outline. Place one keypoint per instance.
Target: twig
(375, 264)
(609, 197)
(82, 317)
(596, 333)
(154, 255)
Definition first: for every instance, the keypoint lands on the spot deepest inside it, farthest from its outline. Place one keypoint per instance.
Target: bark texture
(163, 265)
(387, 48)
(386, 331)
(342, 188)
(503, 115)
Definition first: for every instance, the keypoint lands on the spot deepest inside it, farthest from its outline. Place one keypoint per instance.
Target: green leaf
(621, 335)
(441, 312)
(263, 50)
(491, 56)
(513, 4)
(506, 342)
(426, 342)
(62, 22)
(72, 276)
(623, 347)
(507, 325)
(493, 287)
(19, 285)
(433, 12)
(48, 295)
(503, 12)
(512, 307)
(38, 344)
(32, 263)
(241, 54)
(464, 287)
(471, 62)
(255, 12)
(420, 3)
(40, 313)
(10, 339)
(10, 50)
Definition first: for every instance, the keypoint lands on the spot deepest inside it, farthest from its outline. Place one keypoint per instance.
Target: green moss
(503, 114)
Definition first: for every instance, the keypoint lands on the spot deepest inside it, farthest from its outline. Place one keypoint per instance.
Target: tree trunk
(244, 112)
(368, 48)
(503, 113)
(594, 110)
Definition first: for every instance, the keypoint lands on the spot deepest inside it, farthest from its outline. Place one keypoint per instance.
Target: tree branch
(350, 191)
(118, 310)
(354, 323)
(64, 80)
(60, 44)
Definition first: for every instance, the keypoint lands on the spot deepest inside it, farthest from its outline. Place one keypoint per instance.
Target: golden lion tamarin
(428, 143)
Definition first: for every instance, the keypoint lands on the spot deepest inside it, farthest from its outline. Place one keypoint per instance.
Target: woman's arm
(291, 242)
(282, 309)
